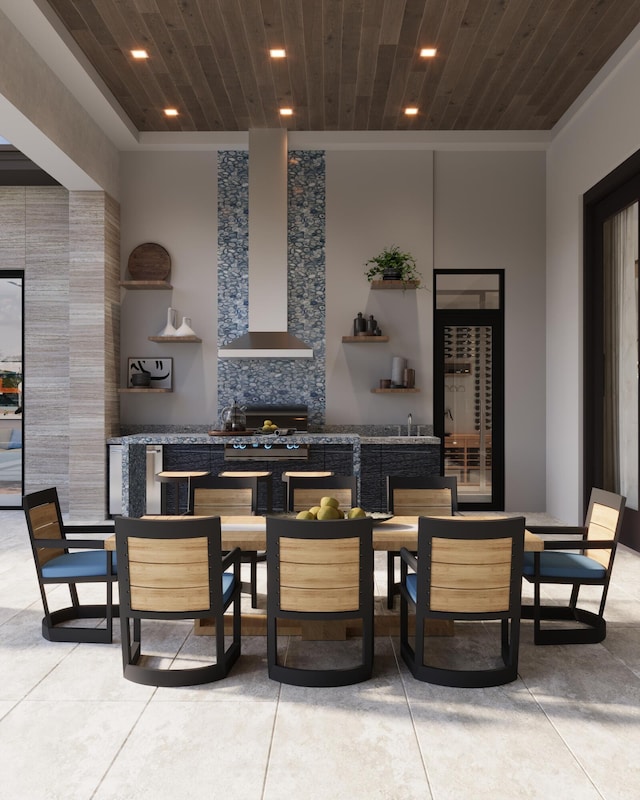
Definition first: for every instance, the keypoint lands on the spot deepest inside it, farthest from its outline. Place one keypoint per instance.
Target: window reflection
(11, 399)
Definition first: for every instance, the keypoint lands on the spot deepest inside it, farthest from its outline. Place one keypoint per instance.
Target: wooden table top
(249, 533)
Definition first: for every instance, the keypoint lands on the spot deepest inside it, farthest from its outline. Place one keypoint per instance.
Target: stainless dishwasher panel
(154, 465)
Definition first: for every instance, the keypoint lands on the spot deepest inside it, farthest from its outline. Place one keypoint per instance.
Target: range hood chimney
(268, 336)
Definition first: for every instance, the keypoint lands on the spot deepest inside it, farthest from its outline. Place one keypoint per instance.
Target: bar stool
(307, 474)
(263, 476)
(175, 476)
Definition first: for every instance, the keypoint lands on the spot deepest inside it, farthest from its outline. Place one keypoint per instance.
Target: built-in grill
(285, 417)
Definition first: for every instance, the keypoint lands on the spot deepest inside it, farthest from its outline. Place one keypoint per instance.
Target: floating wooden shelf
(394, 391)
(357, 339)
(143, 389)
(395, 284)
(145, 285)
(177, 339)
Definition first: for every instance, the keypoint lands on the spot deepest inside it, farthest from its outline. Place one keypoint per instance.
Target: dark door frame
(473, 317)
(616, 191)
(7, 274)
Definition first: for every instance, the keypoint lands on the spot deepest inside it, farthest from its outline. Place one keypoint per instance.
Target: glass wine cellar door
(468, 384)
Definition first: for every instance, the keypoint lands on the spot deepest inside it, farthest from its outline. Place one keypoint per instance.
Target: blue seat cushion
(228, 582)
(81, 564)
(558, 564)
(412, 585)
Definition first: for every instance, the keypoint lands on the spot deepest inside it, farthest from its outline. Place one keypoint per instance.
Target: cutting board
(149, 262)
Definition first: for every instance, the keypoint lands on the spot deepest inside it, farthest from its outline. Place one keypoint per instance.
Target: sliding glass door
(11, 405)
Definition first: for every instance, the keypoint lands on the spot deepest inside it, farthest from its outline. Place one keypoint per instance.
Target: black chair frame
(326, 485)
(277, 528)
(131, 619)
(591, 626)
(412, 482)
(53, 628)
(250, 557)
(477, 530)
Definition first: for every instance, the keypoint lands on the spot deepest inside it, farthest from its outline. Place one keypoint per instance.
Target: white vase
(185, 329)
(169, 329)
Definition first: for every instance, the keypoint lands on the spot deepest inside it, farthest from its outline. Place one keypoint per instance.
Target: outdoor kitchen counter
(134, 455)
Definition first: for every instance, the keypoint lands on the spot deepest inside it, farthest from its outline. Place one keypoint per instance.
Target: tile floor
(72, 727)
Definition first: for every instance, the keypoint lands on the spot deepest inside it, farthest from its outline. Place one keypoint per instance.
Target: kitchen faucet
(409, 421)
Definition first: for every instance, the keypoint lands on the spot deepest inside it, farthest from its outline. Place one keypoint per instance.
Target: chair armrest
(408, 557)
(579, 544)
(91, 544)
(110, 527)
(231, 557)
(556, 530)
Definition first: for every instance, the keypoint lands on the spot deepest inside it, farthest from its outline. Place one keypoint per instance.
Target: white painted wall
(376, 199)
(487, 211)
(171, 199)
(489, 214)
(599, 137)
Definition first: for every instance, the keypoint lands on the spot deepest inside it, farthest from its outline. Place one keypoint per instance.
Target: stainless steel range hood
(268, 336)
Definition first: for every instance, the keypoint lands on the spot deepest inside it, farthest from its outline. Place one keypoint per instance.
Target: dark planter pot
(391, 275)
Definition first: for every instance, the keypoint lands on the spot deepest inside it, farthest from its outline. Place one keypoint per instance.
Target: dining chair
(213, 495)
(319, 571)
(414, 496)
(174, 569)
(70, 561)
(301, 474)
(596, 542)
(465, 570)
(304, 493)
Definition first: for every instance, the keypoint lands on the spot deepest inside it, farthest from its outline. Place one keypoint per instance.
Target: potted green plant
(392, 264)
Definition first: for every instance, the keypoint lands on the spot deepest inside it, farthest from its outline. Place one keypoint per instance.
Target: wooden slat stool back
(465, 570)
(319, 571)
(174, 569)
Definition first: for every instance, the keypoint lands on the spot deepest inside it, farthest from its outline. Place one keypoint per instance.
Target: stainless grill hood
(268, 336)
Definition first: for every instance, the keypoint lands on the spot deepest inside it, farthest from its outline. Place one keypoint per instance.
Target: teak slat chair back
(169, 575)
(304, 493)
(315, 576)
(224, 502)
(470, 576)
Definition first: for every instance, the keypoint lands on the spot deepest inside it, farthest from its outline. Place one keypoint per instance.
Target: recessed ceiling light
(411, 111)
(286, 112)
(171, 112)
(428, 52)
(277, 53)
(139, 54)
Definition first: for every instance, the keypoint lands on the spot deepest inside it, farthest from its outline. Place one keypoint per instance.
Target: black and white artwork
(160, 371)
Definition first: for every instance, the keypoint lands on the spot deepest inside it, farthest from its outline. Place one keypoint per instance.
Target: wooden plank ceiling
(350, 64)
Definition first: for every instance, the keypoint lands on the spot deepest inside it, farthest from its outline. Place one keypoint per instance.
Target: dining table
(250, 533)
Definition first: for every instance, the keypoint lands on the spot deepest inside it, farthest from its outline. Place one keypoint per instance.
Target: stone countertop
(296, 438)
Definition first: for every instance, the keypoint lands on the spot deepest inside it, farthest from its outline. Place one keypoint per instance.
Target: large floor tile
(347, 742)
(492, 743)
(195, 750)
(60, 751)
